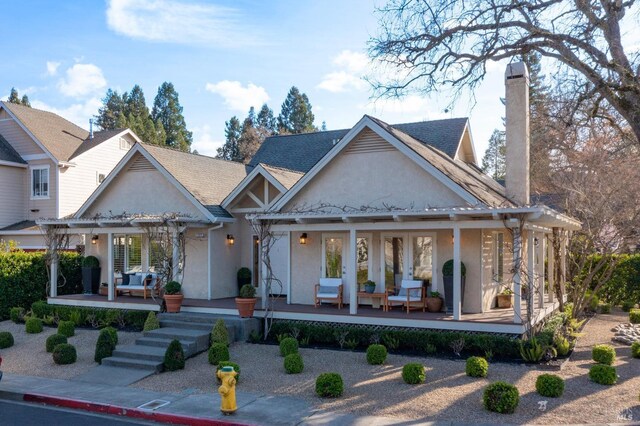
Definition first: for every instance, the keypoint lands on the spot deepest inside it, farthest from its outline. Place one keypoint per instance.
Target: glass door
(408, 256)
(393, 261)
(421, 267)
(333, 256)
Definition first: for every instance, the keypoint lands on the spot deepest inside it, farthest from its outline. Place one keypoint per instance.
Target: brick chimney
(517, 134)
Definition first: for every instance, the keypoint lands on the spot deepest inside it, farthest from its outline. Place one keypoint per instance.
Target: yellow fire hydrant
(227, 390)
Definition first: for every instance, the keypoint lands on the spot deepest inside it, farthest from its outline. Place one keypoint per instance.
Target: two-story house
(48, 168)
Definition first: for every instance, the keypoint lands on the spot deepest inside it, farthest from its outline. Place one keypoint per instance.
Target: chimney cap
(516, 70)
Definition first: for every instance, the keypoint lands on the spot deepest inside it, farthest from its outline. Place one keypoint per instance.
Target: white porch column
(111, 290)
(563, 262)
(551, 267)
(531, 273)
(540, 249)
(175, 256)
(517, 285)
(209, 263)
(352, 276)
(457, 275)
(53, 290)
(263, 278)
(289, 244)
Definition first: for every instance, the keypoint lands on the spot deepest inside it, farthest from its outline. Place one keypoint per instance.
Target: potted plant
(369, 286)
(434, 302)
(447, 275)
(173, 296)
(244, 277)
(246, 302)
(90, 275)
(505, 298)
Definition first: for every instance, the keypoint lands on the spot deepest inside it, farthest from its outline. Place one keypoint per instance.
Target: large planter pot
(173, 302)
(434, 304)
(505, 301)
(369, 288)
(90, 280)
(448, 292)
(245, 306)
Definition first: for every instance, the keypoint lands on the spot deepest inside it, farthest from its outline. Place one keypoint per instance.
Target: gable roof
(302, 151)
(98, 138)
(287, 178)
(7, 153)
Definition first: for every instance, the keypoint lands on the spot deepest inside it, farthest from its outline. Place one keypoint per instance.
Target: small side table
(377, 299)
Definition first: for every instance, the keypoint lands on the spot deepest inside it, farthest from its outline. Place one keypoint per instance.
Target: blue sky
(222, 56)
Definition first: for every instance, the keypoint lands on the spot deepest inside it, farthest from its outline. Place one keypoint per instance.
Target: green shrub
(90, 262)
(235, 366)
(628, 305)
(112, 333)
(219, 333)
(247, 291)
(174, 356)
(447, 268)
(54, 340)
(376, 354)
(501, 397)
(104, 347)
(562, 345)
(172, 287)
(603, 374)
(605, 308)
(635, 349)
(33, 325)
(603, 354)
(329, 385)
(550, 385)
(288, 346)
(66, 328)
(6, 339)
(152, 322)
(634, 316)
(593, 303)
(218, 352)
(430, 349)
(413, 373)
(17, 315)
(293, 363)
(64, 354)
(477, 367)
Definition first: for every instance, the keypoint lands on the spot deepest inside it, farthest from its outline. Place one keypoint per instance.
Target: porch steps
(138, 364)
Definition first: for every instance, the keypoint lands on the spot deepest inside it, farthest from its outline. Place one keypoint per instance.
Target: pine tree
(14, 98)
(109, 116)
(295, 114)
(167, 110)
(493, 162)
(249, 140)
(25, 101)
(230, 150)
(139, 119)
(266, 122)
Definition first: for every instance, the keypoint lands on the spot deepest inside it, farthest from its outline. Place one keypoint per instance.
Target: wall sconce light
(230, 239)
(303, 238)
(94, 239)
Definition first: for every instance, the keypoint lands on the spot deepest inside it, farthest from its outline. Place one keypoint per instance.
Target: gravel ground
(28, 355)
(448, 393)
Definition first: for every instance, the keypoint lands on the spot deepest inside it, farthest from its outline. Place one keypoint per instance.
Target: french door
(409, 256)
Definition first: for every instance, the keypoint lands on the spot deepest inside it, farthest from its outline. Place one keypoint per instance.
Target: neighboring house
(381, 202)
(48, 168)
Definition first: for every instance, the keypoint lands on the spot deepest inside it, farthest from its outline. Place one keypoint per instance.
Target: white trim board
(258, 170)
(12, 164)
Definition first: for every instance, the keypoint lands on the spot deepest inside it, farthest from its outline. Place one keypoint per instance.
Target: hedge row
(624, 284)
(92, 317)
(23, 278)
(419, 341)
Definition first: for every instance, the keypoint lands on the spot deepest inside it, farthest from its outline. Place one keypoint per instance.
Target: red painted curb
(136, 413)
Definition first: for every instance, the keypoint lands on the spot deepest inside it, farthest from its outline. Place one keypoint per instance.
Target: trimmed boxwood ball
(112, 333)
(634, 316)
(376, 354)
(33, 325)
(329, 385)
(550, 385)
(293, 364)
(6, 339)
(66, 328)
(218, 352)
(219, 333)
(413, 373)
(152, 322)
(16, 314)
(477, 367)
(501, 397)
(603, 374)
(604, 354)
(223, 364)
(174, 356)
(104, 347)
(288, 346)
(54, 340)
(635, 350)
(64, 354)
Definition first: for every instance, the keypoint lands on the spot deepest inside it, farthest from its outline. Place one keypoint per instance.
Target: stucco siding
(225, 263)
(490, 284)
(12, 195)
(17, 137)
(195, 275)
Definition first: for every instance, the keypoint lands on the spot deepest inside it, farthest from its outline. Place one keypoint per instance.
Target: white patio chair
(328, 289)
(411, 295)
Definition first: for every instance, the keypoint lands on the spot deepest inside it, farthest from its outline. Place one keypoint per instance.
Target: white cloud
(177, 21)
(78, 113)
(203, 141)
(82, 80)
(352, 66)
(52, 67)
(238, 97)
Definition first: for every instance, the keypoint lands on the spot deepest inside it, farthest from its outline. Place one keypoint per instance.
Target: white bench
(411, 295)
(328, 289)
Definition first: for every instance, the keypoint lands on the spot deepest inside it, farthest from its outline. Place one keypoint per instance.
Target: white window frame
(124, 144)
(345, 252)
(494, 267)
(48, 174)
(369, 238)
(407, 261)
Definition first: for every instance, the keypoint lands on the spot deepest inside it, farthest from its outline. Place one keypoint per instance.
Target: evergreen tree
(25, 101)
(493, 162)
(249, 140)
(167, 110)
(14, 98)
(266, 122)
(111, 115)
(295, 114)
(230, 150)
(139, 119)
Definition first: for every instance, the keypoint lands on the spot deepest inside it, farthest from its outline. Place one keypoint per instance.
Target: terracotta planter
(245, 306)
(505, 301)
(173, 301)
(434, 304)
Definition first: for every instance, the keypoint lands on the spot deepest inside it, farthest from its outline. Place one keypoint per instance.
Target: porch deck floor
(497, 316)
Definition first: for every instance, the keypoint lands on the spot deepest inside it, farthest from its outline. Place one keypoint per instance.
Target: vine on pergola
(56, 239)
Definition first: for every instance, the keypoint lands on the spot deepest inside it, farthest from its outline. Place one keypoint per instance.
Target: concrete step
(200, 337)
(138, 364)
(185, 324)
(197, 318)
(149, 353)
(158, 342)
(242, 326)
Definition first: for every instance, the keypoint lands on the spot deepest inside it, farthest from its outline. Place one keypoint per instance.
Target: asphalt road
(24, 414)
